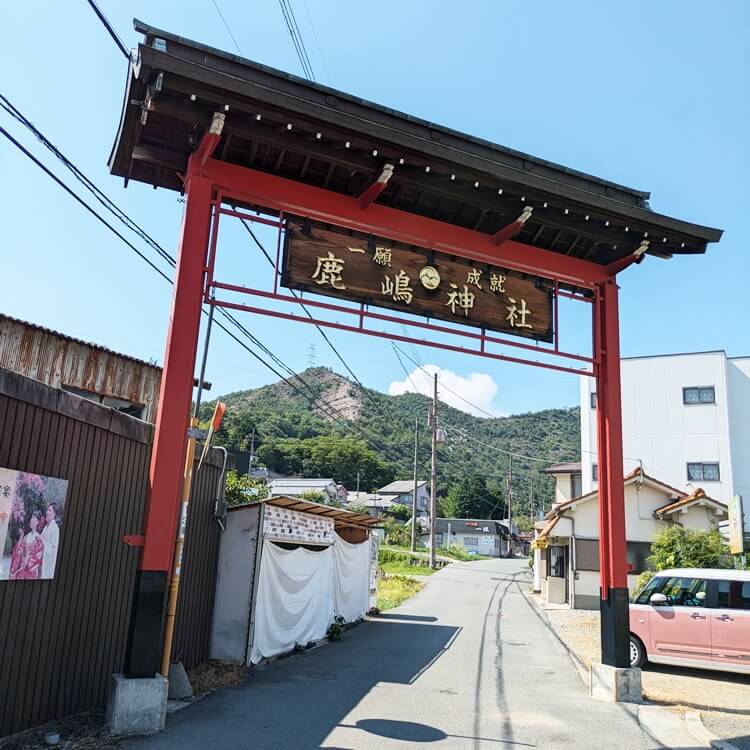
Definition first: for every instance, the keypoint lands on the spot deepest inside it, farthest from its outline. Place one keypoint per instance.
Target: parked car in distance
(692, 617)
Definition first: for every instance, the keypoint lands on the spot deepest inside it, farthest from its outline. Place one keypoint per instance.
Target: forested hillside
(332, 427)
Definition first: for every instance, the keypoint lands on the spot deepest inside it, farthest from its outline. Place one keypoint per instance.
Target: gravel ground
(723, 699)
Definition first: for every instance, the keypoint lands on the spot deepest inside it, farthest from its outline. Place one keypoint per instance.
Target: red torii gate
(174, 136)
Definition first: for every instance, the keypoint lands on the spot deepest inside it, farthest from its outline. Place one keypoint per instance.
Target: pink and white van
(693, 618)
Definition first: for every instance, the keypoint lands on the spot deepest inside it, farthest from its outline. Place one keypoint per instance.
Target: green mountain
(333, 426)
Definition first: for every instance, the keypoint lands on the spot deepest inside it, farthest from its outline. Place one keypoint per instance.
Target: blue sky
(651, 95)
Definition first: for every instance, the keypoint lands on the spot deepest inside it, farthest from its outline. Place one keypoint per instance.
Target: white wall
(666, 434)
(738, 384)
(640, 524)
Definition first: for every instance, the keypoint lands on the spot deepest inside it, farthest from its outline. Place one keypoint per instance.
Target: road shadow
(407, 618)
(298, 701)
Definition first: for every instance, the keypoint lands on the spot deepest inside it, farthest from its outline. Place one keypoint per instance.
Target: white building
(401, 492)
(685, 419)
(566, 554)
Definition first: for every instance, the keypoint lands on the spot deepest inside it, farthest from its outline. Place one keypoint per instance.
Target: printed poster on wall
(32, 511)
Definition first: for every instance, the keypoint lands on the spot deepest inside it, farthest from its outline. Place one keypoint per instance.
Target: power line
(317, 42)
(328, 341)
(226, 25)
(108, 26)
(299, 45)
(450, 390)
(332, 412)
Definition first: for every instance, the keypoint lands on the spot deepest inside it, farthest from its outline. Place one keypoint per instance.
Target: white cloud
(478, 388)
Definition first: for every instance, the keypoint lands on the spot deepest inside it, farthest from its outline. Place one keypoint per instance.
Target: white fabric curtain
(351, 578)
(300, 591)
(294, 602)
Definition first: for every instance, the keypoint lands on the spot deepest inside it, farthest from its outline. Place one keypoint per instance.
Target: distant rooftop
(400, 487)
(572, 467)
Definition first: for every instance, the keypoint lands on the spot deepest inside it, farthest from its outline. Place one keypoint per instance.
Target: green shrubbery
(678, 547)
(396, 534)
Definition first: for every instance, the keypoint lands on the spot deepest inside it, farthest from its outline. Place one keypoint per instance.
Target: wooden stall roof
(340, 516)
(285, 125)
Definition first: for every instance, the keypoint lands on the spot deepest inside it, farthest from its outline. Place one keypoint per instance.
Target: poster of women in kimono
(32, 512)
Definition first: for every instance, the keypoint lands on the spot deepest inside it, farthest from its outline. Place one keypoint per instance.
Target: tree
(240, 489)
(678, 547)
(341, 458)
(398, 512)
(471, 498)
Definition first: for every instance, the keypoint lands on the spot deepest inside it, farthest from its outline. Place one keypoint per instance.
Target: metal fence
(63, 638)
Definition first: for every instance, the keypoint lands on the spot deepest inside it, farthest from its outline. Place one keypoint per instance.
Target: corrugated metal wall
(63, 638)
(59, 360)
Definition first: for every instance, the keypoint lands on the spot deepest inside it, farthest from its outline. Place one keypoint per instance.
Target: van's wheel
(637, 652)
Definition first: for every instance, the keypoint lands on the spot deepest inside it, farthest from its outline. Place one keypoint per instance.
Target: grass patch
(404, 569)
(396, 589)
(456, 552)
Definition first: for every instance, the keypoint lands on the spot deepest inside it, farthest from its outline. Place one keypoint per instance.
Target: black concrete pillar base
(146, 635)
(615, 628)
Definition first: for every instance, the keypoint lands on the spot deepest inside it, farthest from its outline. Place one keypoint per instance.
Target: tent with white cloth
(286, 569)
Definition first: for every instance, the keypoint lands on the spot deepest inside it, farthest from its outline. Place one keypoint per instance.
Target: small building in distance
(566, 547)
(299, 486)
(124, 383)
(401, 491)
(480, 536)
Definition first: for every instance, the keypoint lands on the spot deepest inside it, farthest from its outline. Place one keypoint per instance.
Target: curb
(698, 730)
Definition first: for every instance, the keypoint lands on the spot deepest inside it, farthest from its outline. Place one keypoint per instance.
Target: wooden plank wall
(62, 639)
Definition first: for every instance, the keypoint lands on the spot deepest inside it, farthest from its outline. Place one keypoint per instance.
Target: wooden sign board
(336, 263)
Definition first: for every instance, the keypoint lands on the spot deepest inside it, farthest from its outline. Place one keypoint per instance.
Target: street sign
(736, 526)
(361, 268)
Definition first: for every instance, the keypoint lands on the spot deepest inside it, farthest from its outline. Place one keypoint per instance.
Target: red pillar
(612, 542)
(170, 436)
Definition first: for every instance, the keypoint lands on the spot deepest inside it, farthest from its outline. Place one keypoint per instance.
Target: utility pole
(510, 505)
(252, 454)
(433, 473)
(357, 485)
(414, 496)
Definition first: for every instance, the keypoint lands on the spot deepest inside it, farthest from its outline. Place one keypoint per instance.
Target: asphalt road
(467, 664)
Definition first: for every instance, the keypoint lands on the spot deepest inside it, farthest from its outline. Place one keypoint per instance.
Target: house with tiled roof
(566, 545)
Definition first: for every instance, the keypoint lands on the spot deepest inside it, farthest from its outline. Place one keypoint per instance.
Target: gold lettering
(497, 282)
(382, 256)
(517, 315)
(329, 271)
(398, 287)
(461, 299)
(473, 277)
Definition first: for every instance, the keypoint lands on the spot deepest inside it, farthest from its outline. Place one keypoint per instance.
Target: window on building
(471, 541)
(127, 407)
(593, 400)
(699, 395)
(638, 553)
(557, 561)
(595, 472)
(576, 487)
(734, 595)
(703, 472)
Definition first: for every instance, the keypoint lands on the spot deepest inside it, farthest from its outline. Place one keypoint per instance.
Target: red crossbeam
(280, 194)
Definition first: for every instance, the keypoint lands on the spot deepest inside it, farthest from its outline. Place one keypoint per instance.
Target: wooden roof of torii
(287, 126)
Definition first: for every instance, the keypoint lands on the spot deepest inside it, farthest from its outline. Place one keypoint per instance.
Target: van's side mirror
(657, 599)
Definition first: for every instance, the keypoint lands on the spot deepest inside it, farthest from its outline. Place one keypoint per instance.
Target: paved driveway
(467, 664)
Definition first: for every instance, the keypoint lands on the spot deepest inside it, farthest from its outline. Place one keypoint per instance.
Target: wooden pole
(174, 587)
